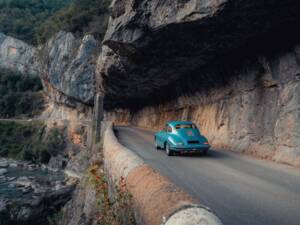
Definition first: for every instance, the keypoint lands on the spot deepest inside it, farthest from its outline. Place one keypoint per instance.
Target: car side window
(169, 129)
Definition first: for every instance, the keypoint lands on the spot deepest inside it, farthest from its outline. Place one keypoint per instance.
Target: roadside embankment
(156, 200)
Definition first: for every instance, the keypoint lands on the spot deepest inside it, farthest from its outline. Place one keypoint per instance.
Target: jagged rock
(31, 199)
(69, 66)
(23, 181)
(154, 45)
(256, 111)
(82, 209)
(3, 203)
(13, 165)
(66, 64)
(17, 55)
(58, 162)
(3, 171)
(4, 164)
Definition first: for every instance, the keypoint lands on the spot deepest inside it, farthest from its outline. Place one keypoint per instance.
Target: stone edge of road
(156, 200)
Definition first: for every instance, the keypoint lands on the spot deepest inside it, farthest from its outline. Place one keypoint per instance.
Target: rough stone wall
(17, 55)
(256, 111)
(66, 66)
(163, 202)
(69, 66)
(150, 45)
(82, 209)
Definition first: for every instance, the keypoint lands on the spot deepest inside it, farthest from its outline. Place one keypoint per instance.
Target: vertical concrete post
(98, 116)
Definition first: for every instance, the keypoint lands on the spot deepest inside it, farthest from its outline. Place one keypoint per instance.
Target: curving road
(241, 190)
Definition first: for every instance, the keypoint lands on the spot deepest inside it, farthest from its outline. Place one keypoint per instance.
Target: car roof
(174, 123)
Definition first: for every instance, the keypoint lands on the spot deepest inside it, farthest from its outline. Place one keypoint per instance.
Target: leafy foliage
(28, 141)
(20, 95)
(22, 18)
(112, 211)
(80, 17)
(35, 21)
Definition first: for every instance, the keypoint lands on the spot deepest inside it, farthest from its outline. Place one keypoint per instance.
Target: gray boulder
(3, 171)
(69, 66)
(17, 55)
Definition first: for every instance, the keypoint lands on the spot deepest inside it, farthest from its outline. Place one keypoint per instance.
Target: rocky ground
(31, 192)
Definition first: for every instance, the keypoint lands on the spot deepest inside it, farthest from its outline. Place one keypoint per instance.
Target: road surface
(241, 190)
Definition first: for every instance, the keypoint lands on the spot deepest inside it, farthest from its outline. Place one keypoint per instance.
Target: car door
(167, 132)
(161, 137)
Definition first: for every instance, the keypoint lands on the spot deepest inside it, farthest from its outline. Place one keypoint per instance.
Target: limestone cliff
(68, 74)
(66, 66)
(69, 66)
(256, 111)
(17, 55)
(152, 45)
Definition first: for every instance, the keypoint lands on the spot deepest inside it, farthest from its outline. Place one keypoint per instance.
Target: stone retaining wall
(156, 200)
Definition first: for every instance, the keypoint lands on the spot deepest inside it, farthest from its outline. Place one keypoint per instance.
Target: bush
(21, 95)
(79, 17)
(22, 18)
(35, 21)
(28, 141)
(55, 141)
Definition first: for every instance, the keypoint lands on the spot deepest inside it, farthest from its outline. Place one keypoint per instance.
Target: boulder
(17, 55)
(3, 171)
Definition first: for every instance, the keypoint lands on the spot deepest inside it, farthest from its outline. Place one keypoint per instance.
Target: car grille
(193, 142)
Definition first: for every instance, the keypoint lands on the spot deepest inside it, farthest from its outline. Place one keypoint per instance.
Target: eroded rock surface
(17, 55)
(69, 66)
(153, 44)
(66, 65)
(30, 193)
(256, 111)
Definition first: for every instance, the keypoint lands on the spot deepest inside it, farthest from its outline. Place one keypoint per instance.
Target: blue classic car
(181, 137)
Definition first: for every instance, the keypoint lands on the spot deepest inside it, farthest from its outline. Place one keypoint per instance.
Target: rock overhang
(156, 46)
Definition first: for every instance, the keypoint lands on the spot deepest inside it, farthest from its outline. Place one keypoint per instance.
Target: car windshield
(185, 126)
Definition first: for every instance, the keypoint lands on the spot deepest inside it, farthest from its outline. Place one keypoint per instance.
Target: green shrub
(79, 17)
(20, 95)
(28, 141)
(22, 18)
(35, 21)
(55, 141)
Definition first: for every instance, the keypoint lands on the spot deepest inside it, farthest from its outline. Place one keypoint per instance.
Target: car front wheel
(169, 152)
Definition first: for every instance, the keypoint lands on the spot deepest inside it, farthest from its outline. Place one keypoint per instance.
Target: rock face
(17, 55)
(66, 65)
(153, 44)
(230, 66)
(82, 209)
(256, 111)
(69, 67)
(30, 193)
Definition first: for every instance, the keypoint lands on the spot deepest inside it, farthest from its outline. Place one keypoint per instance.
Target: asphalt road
(241, 190)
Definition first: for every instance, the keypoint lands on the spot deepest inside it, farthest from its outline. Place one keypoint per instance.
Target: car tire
(205, 152)
(169, 152)
(156, 144)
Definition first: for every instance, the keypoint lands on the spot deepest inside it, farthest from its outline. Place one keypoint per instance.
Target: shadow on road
(211, 154)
